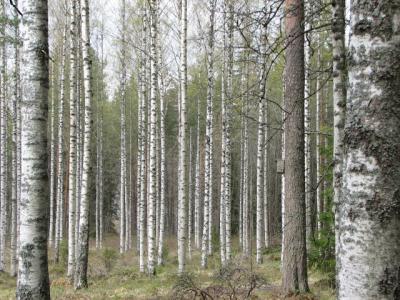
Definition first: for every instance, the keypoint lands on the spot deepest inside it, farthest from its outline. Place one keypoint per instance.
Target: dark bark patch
(390, 282)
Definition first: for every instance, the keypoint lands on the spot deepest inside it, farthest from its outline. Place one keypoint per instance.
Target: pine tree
(294, 266)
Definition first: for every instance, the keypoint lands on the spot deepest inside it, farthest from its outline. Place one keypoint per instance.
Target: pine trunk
(294, 266)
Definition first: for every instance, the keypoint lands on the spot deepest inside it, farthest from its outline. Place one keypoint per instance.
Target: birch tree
(3, 139)
(339, 102)
(83, 239)
(60, 151)
(72, 142)
(294, 266)
(182, 139)
(123, 182)
(142, 146)
(228, 112)
(260, 151)
(369, 223)
(208, 141)
(52, 158)
(33, 276)
(151, 217)
(161, 89)
(15, 148)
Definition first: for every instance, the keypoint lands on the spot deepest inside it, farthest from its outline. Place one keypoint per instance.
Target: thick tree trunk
(294, 267)
(369, 223)
(83, 239)
(33, 276)
(182, 140)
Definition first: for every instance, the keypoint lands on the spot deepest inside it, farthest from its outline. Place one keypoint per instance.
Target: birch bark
(83, 239)
(33, 276)
(72, 142)
(182, 140)
(369, 224)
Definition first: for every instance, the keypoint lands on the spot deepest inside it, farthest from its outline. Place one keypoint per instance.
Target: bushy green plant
(109, 256)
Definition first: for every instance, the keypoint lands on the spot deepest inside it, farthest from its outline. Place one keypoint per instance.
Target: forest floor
(121, 278)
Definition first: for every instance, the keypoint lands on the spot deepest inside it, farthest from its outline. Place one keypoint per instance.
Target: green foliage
(109, 257)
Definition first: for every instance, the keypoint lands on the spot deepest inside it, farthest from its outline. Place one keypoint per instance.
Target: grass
(122, 280)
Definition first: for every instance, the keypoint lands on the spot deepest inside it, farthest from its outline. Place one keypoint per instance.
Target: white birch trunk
(369, 226)
(228, 112)
(15, 137)
(52, 159)
(72, 142)
(190, 194)
(33, 276)
(162, 149)
(182, 140)
(83, 239)
(208, 143)
(260, 146)
(123, 183)
(143, 135)
(318, 141)
(151, 217)
(3, 142)
(245, 218)
(60, 152)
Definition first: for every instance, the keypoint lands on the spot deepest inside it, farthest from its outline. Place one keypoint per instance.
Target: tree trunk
(33, 276)
(369, 223)
(228, 112)
(15, 166)
(162, 149)
(151, 217)
(122, 190)
(60, 152)
(190, 194)
(208, 142)
(3, 142)
(339, 102)
(72, 143)
(182, 140)
(260, 151)
(143, 169)
(83, 239)
(294, 267)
